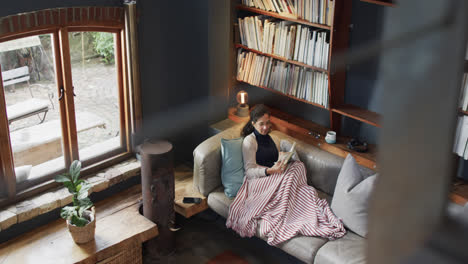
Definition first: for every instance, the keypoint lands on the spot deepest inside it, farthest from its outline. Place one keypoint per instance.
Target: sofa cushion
(232, 165)
(207, 161)
(351, 198)
(303, 247)
(350, 249)
(219, 202)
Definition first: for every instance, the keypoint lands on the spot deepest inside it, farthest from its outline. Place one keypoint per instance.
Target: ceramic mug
(330, 138)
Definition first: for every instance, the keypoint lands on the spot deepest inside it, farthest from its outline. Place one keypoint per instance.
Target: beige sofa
(322, 172)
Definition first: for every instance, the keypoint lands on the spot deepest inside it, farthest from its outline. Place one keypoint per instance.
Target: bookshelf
(282, 58)
(276, 15)
(338, 35)
(381, 2)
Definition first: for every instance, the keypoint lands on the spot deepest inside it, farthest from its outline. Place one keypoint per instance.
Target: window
(63, 97)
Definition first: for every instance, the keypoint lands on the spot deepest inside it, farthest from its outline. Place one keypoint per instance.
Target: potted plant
(81, 216)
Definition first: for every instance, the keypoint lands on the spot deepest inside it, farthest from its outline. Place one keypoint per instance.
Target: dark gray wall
(362, 88)
(21, 6)
(184, 71)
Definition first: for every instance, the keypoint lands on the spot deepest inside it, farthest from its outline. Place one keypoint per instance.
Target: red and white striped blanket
(287, 207)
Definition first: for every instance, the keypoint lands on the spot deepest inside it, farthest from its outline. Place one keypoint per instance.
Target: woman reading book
(277, 193)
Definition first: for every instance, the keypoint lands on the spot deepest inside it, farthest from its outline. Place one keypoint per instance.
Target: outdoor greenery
(79, 189)
(104, 46)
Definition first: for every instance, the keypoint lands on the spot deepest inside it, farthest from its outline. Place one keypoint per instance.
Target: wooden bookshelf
(276, 15)
(300, 128)
(282, 58)
(363, 115)
(381, 2)
(338, 41)
(462, 112)
(287, 95)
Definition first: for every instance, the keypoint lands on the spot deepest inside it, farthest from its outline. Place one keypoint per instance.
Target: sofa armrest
(207, 161)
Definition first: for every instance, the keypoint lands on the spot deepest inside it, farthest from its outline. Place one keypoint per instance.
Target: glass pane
(97, 93)
(28, 72)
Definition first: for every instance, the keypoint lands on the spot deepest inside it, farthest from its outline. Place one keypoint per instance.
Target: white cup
(330, 138)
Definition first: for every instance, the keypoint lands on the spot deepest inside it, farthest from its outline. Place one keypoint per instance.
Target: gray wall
(184, 71)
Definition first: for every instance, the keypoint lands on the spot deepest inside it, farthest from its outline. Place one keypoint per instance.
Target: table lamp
(242, 107)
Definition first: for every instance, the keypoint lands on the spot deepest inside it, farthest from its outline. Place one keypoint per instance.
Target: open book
(286, 158)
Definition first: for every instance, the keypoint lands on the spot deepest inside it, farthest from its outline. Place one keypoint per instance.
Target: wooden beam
(8, 179)
(68, 94)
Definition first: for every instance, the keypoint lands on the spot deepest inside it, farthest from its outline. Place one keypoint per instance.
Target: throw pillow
(351, 198)
(232, 167)
(285, 146)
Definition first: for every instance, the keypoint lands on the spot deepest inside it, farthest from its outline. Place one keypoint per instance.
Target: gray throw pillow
(351, 198)
(232, 166)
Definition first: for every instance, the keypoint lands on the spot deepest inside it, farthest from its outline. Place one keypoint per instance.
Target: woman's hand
(279, 167)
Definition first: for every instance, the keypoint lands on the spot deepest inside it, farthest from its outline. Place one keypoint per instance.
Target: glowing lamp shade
(242, 108)
(242, 97)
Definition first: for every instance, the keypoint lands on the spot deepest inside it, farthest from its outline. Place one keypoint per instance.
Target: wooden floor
(184, 188)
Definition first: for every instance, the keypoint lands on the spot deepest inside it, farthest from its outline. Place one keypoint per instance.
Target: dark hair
(256, 113)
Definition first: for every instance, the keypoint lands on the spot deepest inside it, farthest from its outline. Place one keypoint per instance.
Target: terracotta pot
(83, 234)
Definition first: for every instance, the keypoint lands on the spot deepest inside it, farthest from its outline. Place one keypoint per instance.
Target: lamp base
(242, 110)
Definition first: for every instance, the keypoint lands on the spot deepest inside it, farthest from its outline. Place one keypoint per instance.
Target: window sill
(57, 198)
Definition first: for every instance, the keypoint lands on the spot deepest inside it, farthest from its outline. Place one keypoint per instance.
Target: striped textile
(287, 207)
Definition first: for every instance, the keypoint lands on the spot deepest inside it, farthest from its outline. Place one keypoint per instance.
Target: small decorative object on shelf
(242, 107)
(330, 138)
(357, 145)
(81, 218)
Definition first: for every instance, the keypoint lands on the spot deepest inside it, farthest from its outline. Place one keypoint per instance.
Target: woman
(258, 149)
(283, 201)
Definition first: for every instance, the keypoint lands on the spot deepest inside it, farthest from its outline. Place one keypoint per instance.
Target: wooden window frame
(12, 192)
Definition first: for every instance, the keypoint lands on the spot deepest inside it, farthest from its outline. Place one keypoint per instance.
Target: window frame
(11, 191)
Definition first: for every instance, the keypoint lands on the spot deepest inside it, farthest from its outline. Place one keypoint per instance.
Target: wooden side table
(120, 232)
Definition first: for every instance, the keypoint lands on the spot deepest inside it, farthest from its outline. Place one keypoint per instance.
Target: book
(286, 158)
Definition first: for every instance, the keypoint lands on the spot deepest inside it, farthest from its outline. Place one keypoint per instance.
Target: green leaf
(84, 208)
(70, 187)
(83, 192)
(62, 178)
(75, 168)
(84, 202)
(79, 221)
(68, 211)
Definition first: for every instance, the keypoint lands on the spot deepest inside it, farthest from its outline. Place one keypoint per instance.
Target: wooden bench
(40, 143)
(27, 108)
(120, 232)
(15, 76)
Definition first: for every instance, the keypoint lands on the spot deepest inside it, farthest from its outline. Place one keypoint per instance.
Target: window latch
(61, 93)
